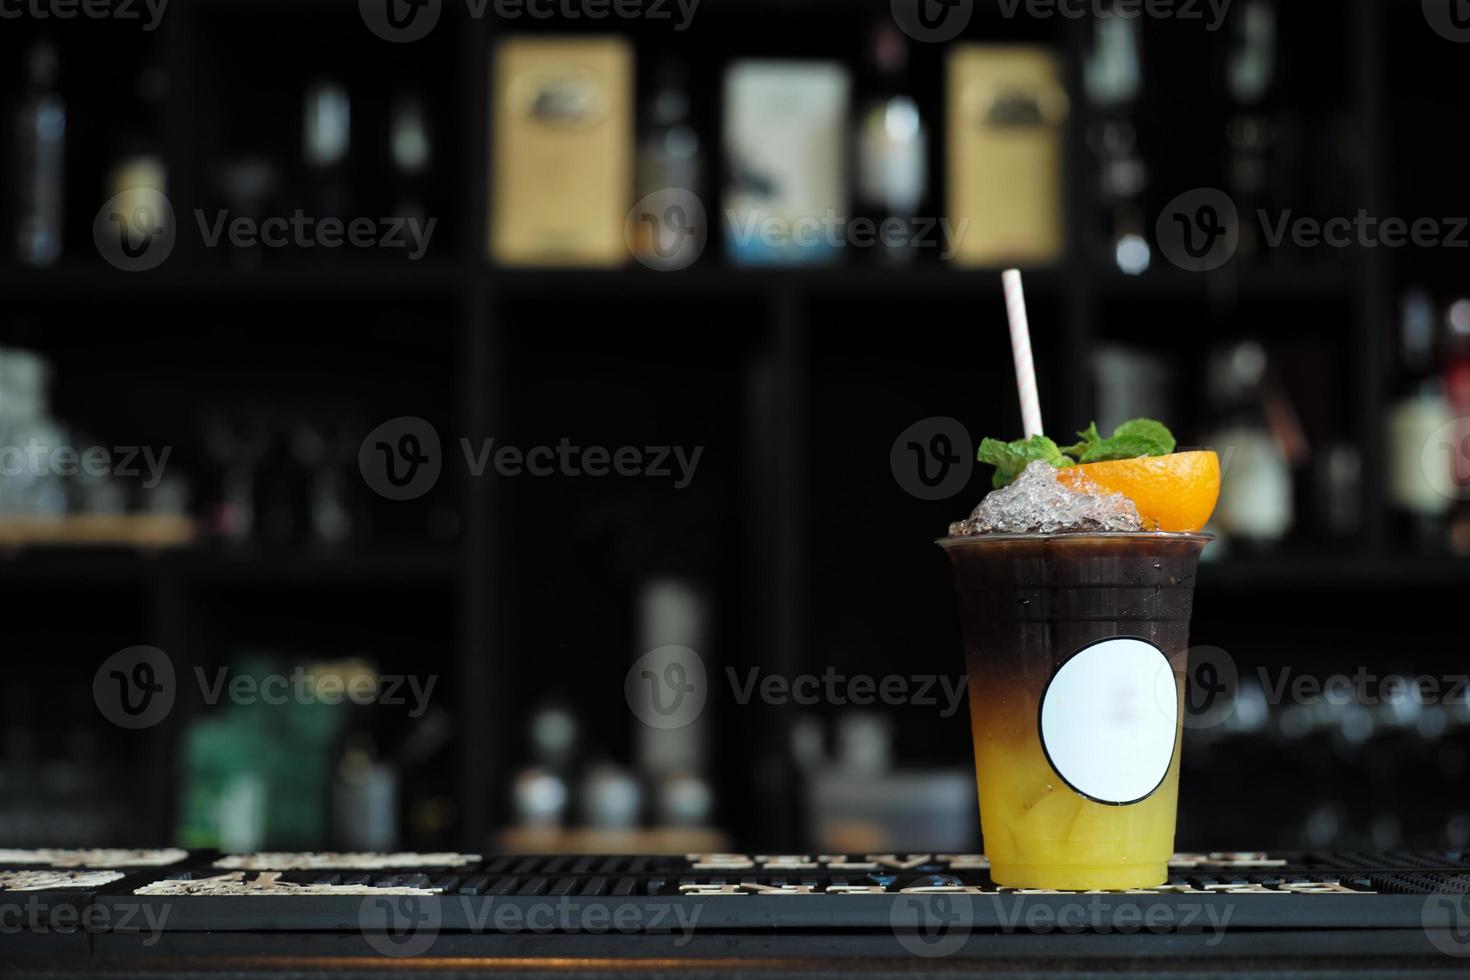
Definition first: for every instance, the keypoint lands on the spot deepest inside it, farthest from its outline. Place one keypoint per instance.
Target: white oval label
(1109, 718)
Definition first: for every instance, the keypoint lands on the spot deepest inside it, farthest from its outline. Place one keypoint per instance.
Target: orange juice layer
(1039, 833)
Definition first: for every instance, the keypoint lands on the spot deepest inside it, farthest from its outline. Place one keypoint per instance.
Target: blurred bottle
(785, 195)
(1112, 77)
(1337, 482)
(1255, 443)
(40, 140)
(364, 796)
(1131, 383)
(669, 158)
(31, 487)
(326, 142)
(249, 185)
(1457, 446)
(1006, 108)
(683, 799)
(673, 617)
(1261, 166)
(892, 146)
(140, 174)
(540, 790)
(611, 799)
(411, 149)
(1420, 408)
(562, 151)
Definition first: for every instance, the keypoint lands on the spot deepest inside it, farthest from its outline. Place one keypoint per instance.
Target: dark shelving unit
(778, 562)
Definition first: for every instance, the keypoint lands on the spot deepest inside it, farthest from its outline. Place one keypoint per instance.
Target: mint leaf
(1157, 434)
(1090, 439)
(1010, 458)
(1131, 440)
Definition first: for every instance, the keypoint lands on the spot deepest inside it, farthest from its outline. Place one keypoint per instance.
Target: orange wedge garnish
(1177, 492)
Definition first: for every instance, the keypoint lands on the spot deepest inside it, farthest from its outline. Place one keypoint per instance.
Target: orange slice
(1178, 491)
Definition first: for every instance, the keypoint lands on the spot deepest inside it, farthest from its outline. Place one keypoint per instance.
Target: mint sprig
(1131, 440)
(1011, 458)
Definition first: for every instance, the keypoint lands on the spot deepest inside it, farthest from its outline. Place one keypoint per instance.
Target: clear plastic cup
(1076, 649)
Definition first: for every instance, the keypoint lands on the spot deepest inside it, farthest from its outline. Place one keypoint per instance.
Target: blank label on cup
(1109, 718)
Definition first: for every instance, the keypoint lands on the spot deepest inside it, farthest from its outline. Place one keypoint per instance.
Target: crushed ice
(1037, 503)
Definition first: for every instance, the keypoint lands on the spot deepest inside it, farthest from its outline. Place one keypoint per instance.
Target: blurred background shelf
(523, 595)
(189, 565)
(91, 281)
(1334, 572)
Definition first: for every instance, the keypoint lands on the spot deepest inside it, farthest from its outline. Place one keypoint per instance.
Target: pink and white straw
(1021, 349)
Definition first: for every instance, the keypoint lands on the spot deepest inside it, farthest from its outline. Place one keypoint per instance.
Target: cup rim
(963, 540)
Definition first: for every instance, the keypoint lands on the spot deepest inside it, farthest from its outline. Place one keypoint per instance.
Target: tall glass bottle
(40, 141)
(1420, 408)
(670, 167)
(892, 147)
(1112, 79)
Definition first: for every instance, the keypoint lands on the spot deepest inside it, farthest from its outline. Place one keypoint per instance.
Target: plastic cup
(1076, 648)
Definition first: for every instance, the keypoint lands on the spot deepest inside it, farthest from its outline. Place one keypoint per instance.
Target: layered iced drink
(1075, 603)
